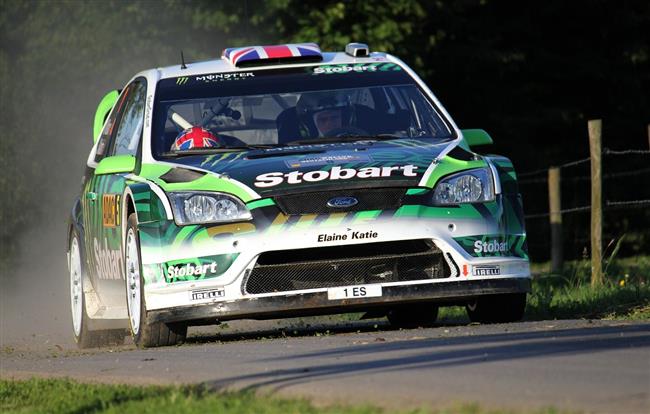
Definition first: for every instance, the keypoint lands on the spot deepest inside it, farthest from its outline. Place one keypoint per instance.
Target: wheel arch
(147, 201)
(128, 207)
(75, 224)
(505, 171)
(513, 204)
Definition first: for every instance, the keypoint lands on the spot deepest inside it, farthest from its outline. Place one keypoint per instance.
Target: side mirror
(475, 137)
(104, 107)
(116, 164)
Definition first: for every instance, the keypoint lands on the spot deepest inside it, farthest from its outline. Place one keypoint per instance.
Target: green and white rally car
(281, 181)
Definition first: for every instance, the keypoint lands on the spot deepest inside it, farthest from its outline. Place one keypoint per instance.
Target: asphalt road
(592, 366)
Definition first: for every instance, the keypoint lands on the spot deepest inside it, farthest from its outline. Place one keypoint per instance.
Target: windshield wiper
(256, 146)
(288, 151)
(214, 150)
(345, 138)
(202, 151)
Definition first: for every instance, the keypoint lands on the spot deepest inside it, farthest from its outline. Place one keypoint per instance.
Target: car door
(104, 191)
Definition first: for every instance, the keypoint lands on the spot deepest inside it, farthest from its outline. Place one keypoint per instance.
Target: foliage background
(531, 73)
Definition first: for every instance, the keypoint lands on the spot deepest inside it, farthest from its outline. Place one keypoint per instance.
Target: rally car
(282, 181)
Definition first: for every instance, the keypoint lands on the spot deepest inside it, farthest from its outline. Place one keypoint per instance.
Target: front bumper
(315, 303)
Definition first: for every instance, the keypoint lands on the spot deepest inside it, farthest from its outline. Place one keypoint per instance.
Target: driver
(321, 113)
(195, 137)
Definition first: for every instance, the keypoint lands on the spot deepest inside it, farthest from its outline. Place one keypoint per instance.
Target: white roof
(222, 65)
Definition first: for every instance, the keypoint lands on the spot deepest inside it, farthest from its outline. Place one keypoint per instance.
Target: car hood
(304, 168)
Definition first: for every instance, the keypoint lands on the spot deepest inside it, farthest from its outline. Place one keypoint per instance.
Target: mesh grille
(346, 265)
(316, 202)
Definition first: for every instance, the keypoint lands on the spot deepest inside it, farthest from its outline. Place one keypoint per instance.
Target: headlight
(472, 186)
(204, 207)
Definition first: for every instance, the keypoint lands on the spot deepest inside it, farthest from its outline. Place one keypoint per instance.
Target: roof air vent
(357, 49)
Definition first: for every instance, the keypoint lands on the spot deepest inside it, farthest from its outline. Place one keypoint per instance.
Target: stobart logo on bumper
(492, 246)
(272, 179)
(188, 269)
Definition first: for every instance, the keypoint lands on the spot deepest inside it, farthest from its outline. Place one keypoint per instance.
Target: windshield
(326, 103)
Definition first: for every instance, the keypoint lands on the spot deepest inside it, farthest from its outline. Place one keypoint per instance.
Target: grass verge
(624, 294)
(66, 396)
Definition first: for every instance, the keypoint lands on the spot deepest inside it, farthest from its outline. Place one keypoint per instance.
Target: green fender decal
(208, 182)
(167, 235)
(161, 238)
(151, 171)
(264, 202)
(148, 206)
(417, 191)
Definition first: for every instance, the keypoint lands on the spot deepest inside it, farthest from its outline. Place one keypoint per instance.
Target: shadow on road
(300, 329)
(439, 352)
(288, 331)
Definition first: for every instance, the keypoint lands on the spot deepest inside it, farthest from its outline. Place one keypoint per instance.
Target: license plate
(351, 292)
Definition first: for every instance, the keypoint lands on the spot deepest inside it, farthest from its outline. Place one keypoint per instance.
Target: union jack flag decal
(195, 137)
(238, 55)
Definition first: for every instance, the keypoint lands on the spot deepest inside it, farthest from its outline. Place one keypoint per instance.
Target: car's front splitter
(315, 303)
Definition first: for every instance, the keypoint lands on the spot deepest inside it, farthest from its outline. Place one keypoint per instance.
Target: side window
(129, 129)
(109, 126)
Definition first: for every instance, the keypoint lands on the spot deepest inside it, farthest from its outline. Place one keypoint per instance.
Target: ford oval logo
(342, 202)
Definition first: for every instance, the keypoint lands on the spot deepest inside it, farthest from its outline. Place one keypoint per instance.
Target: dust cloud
(35, 310)
(64, 67)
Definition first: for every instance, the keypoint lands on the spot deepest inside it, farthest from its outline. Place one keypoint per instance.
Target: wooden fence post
(555, 205)
(595, 133)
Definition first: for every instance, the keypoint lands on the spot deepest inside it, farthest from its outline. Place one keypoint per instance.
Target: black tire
(87, 338)
(413, 315)
(153, 334)
(497, 308)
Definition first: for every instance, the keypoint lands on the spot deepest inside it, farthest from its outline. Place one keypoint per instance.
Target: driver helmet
(195, 137)
(322, 112)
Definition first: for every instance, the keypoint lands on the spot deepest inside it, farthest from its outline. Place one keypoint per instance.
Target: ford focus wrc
(282, 181)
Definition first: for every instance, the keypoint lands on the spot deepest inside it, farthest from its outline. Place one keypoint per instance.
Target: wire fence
(608, 204)
(564, 192)
(566, 165)
(574, 179)
(606, 151)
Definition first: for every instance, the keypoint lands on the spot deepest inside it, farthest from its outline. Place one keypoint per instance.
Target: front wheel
(144, 334)
(497, 308)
